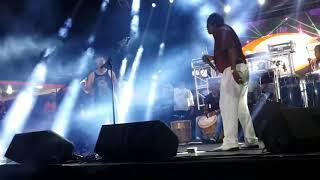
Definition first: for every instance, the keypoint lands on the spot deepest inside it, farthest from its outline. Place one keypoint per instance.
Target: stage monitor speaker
(264, 113)
(141, 141)
(293, 130)
(41, 147)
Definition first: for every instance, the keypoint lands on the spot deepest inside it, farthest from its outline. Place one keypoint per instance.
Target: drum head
(205, 122)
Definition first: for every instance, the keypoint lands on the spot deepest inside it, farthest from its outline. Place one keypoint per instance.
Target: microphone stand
(123, 43)
(313, 84)
(112, 93)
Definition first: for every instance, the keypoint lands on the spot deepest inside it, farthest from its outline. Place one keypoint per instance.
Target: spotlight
(227, 9)
(261, 2)
(104, 5)
(48, 51)
(9, 89)
(39, 86)
(171, 1)
(135, 7)
(91, 39)
(155, 77)
(154, 5)
(162, 45)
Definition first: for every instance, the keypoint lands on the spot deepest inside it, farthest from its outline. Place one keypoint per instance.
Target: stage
(243, 164)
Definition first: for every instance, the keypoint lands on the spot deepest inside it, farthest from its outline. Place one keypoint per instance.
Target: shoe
(249, 145)
(226, 148)
(209, 141)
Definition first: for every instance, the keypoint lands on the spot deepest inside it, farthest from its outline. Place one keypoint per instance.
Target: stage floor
(208, 150)
(205, 164)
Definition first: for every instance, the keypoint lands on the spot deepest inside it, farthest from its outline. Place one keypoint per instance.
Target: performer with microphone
(100, 84)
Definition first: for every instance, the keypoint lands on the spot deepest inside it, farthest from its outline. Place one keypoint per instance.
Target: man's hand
(206, 58)
(237, 77)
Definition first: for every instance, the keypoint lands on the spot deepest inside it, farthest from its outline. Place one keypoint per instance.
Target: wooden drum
(182, 129)
(207, 125)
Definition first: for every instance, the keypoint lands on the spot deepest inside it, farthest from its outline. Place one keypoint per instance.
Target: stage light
(91, 39)
(9, 90)
(301, 31)
(162, 45)
(135, 26)
(39, 86)
(135, 8)
(239, 27)
(154, 5)
(161, 49)
(127, 91)
(261, 2)
(155, 77)
(104, 5)
(64, 30)
(123, 68)
(62, 119)
(171, 1)
(227, 9)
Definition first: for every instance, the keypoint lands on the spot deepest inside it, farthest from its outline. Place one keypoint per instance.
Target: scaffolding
(202, 74)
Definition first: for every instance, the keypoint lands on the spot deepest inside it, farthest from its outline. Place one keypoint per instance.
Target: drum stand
(276, 82)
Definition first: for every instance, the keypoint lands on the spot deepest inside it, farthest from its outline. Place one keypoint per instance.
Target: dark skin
(313, 63)
(206, 107)
(232, 55)
(317, 55)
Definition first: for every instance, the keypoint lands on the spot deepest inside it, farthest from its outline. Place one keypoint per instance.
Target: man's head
(100, 61)
(214, 21)
(317, 51)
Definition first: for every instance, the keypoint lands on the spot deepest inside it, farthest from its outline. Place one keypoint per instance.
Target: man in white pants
(231, 62)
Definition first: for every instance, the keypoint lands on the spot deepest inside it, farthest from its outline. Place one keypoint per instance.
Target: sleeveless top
(102, 87)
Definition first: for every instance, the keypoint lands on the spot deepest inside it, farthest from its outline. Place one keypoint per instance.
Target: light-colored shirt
(183, 99)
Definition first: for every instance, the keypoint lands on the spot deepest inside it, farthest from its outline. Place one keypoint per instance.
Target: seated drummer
(315, 62)
(183, 105)
(211, 108)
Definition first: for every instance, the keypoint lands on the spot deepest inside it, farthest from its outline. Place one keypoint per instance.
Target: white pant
(233, 106)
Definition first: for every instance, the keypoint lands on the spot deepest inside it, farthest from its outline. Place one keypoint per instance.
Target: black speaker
(263, 114)
(41, 147)
(293, 130)
(141, 141)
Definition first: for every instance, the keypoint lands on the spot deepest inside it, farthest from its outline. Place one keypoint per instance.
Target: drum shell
(313, 90)
(290, 91)
(209, 129)
(182, 129)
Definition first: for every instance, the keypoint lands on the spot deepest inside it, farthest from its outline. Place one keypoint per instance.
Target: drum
(208, 125)
(313, 90)
(290, 91)
(182, 129)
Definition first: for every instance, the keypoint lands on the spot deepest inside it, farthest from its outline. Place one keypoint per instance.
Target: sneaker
(226, 148)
